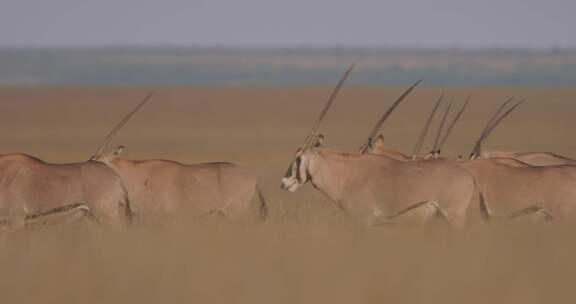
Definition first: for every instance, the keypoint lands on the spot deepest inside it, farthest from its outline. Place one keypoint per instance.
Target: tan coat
(164, 188)
(30, 187)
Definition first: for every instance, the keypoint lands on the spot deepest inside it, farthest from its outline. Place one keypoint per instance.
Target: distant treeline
(285, 67)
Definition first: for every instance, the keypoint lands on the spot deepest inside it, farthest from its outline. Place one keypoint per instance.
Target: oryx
(532, 158)
(376, 189)
(160, 189)
(502, 181)
(32, 191)
(513, 188)
(35, 192)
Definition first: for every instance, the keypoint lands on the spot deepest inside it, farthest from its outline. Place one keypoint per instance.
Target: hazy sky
(429, 23)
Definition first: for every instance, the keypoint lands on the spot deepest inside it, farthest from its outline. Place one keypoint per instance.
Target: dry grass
(308, 252)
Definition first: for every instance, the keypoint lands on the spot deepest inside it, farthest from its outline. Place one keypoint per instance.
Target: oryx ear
(118, 151)
(318, 141)
(113, 155)
(378, 142)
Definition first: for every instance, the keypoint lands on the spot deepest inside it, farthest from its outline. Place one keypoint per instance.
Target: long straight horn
(110, 135)
(488, 124)
(495, 123)
(441, 127)
(320, 118)
(452, 124)
(426, 127)
(376, 129)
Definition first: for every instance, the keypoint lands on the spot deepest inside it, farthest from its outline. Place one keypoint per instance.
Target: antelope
(531, 158)
(35, 192)
(377, 190)
(160, 189)
(514, 188)
(499, 196)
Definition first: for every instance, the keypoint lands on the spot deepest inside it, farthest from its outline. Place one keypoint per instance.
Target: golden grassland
(307, 252)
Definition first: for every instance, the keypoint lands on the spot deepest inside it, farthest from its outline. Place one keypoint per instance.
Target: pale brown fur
(508, 189)
(532, 158)
(370, 188)
(163, 188)
(29, 187)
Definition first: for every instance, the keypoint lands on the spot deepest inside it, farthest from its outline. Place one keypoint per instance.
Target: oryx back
(163, 188)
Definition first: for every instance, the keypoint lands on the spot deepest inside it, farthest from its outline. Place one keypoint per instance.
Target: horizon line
(287, 47)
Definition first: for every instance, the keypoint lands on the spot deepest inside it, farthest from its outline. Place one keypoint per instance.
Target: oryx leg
(65, 216)
(420, 213)
(534, 212)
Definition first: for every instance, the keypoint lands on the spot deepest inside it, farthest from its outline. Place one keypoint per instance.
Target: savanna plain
(307, 251)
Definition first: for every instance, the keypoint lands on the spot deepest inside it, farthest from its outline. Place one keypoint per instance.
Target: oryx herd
(375, 186)
(113, 190)
(378, 185)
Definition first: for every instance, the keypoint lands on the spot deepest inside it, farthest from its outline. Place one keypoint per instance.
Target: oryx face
(297, 173)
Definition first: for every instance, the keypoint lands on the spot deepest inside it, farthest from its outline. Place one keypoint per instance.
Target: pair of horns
(494, 121)
(453, 123)
(116, 128)
(424, 132)
(378, 126)
(439, 140)
(309, 140)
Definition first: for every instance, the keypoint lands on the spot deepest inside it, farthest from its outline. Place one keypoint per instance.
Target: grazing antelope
(160, 189)
(531, 158)
(375, 189)
(32, 191)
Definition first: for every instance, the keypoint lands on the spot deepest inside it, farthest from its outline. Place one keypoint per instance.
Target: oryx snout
(289, 184)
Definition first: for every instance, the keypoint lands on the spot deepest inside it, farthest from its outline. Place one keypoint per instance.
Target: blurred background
(276, 43)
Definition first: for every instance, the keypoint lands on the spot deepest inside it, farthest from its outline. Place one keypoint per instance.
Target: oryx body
(512, 187)
(163, 188)
(31, 188)
(374, 189)
(160, 189)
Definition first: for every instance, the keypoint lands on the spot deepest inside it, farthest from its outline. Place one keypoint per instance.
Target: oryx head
(98, 156)
(498, 116)
(377, 145)
(368, 147)
(298, 171)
